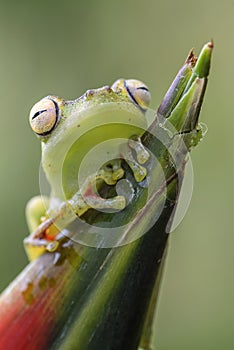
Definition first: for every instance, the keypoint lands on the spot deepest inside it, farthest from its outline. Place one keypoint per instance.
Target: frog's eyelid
(38, 113)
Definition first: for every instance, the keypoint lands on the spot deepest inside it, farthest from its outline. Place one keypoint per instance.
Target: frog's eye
(44, 116)
(137, 91)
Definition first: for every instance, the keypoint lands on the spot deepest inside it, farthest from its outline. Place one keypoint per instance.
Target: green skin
(68, 131)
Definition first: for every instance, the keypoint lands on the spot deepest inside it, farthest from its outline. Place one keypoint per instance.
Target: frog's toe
(118, 174)
(119, 202)
(139, 172)
(52, 246)
(141, 152)
(112, 172)
(96, 202)
(143, 156)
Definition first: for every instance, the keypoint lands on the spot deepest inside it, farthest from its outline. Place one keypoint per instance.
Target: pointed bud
(177, 87)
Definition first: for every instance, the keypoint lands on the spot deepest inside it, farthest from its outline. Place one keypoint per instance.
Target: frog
(68, 131)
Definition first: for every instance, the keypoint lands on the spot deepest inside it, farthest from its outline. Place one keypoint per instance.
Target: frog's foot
(88, 197)
(111, 172)
(42, 239)
(142, 157)
(34, 247)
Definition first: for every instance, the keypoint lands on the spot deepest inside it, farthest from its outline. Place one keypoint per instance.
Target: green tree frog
(72, 132)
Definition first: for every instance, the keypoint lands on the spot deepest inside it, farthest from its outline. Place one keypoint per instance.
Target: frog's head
(46, 114)
(70, 130)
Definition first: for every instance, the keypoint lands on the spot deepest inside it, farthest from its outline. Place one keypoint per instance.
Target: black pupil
(38, 113)
(142, 88)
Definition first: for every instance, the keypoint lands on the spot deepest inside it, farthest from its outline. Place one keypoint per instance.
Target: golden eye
(44, 115)
(137, 91)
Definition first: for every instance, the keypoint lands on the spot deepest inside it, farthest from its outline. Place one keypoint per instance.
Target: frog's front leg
(43, 237)
(88, 197)
(46, 226)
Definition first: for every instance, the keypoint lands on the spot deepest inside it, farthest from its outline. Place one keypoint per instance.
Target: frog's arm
(44, 232)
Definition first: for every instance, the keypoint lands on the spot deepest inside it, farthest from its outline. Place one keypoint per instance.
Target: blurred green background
(64, 48)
